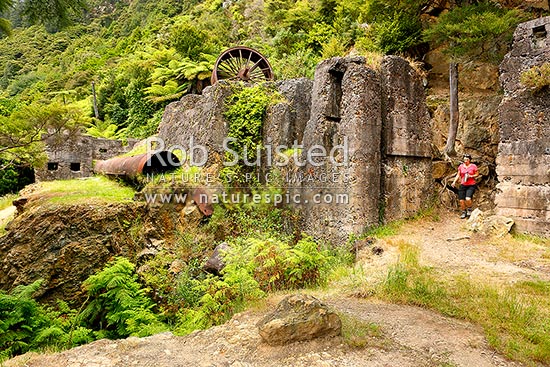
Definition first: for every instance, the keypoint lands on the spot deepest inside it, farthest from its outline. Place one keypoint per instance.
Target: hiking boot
(463, 215)
(468, 212)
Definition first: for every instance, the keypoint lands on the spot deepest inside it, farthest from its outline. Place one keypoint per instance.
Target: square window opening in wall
(539, 32)
(539, 37)
(75, 167)
(53, 166)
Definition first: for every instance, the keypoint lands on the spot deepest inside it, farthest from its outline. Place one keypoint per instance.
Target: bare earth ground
(411, 336)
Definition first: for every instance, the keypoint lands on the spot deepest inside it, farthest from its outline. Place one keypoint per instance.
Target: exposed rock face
(524, 150)
(297, 318)
(478, 132)
(70, 155)
(64, 244)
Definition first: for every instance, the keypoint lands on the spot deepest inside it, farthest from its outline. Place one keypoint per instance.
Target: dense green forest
(142, 54)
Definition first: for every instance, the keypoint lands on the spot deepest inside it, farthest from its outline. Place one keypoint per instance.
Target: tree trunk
(453, 123)
(96, 112)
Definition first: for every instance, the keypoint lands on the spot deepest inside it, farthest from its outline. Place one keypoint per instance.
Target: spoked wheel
(242, 63)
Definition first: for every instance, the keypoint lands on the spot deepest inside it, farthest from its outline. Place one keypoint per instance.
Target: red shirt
(466, 173)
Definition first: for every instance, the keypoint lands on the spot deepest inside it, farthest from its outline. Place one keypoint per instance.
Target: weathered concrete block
(525, 116)
(71, 155)
(534, 197)
(407, 167)
(197, 117)
(524, 151)
(286, 121)
(406, 121)
(524, 162)
(345, 106)
(408, 186)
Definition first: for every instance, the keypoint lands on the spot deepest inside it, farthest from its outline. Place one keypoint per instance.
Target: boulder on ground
(491, 225)
(297, 318)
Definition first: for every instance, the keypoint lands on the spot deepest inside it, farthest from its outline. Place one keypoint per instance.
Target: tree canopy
(55, 13)
(480, 31)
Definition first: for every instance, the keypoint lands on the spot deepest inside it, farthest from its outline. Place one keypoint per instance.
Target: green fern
(118, 303)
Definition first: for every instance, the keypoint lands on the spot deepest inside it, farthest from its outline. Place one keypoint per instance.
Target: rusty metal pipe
(158, 162)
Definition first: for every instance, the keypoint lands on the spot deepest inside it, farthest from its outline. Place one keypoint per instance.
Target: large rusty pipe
(157, 162)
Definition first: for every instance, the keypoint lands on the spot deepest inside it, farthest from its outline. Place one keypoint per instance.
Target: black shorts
(466, 191)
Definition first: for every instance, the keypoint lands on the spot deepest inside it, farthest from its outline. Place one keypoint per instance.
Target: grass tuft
(361, 334)
(6, 200)
(516, 318)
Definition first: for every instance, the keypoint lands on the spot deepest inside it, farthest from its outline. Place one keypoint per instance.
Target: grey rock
(488, 224)
(299, 317)
(215, 263)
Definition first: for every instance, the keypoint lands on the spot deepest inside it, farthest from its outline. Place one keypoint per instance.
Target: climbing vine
(245, 112)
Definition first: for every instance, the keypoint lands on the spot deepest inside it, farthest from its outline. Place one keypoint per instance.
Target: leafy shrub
(189, 40)
(479, 31)
(245, 113)
(21, 318)
(275, 265)
(13, 178)
(26, 325)
(398, 34)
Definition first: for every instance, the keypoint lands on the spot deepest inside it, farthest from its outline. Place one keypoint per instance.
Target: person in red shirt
(467, 173)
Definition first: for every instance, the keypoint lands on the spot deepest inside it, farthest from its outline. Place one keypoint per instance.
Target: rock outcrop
(297, 318)
(64, 244)
(523, 161)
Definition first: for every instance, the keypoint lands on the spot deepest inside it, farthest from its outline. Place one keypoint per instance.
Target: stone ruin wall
(71, 155)
(384, 116)
(523, 160)
(381, 112)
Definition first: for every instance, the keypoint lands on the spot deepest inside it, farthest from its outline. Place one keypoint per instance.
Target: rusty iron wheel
(242, 63)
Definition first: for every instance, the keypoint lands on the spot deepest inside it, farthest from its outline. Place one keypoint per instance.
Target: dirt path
(412, 337)
(447, 245)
